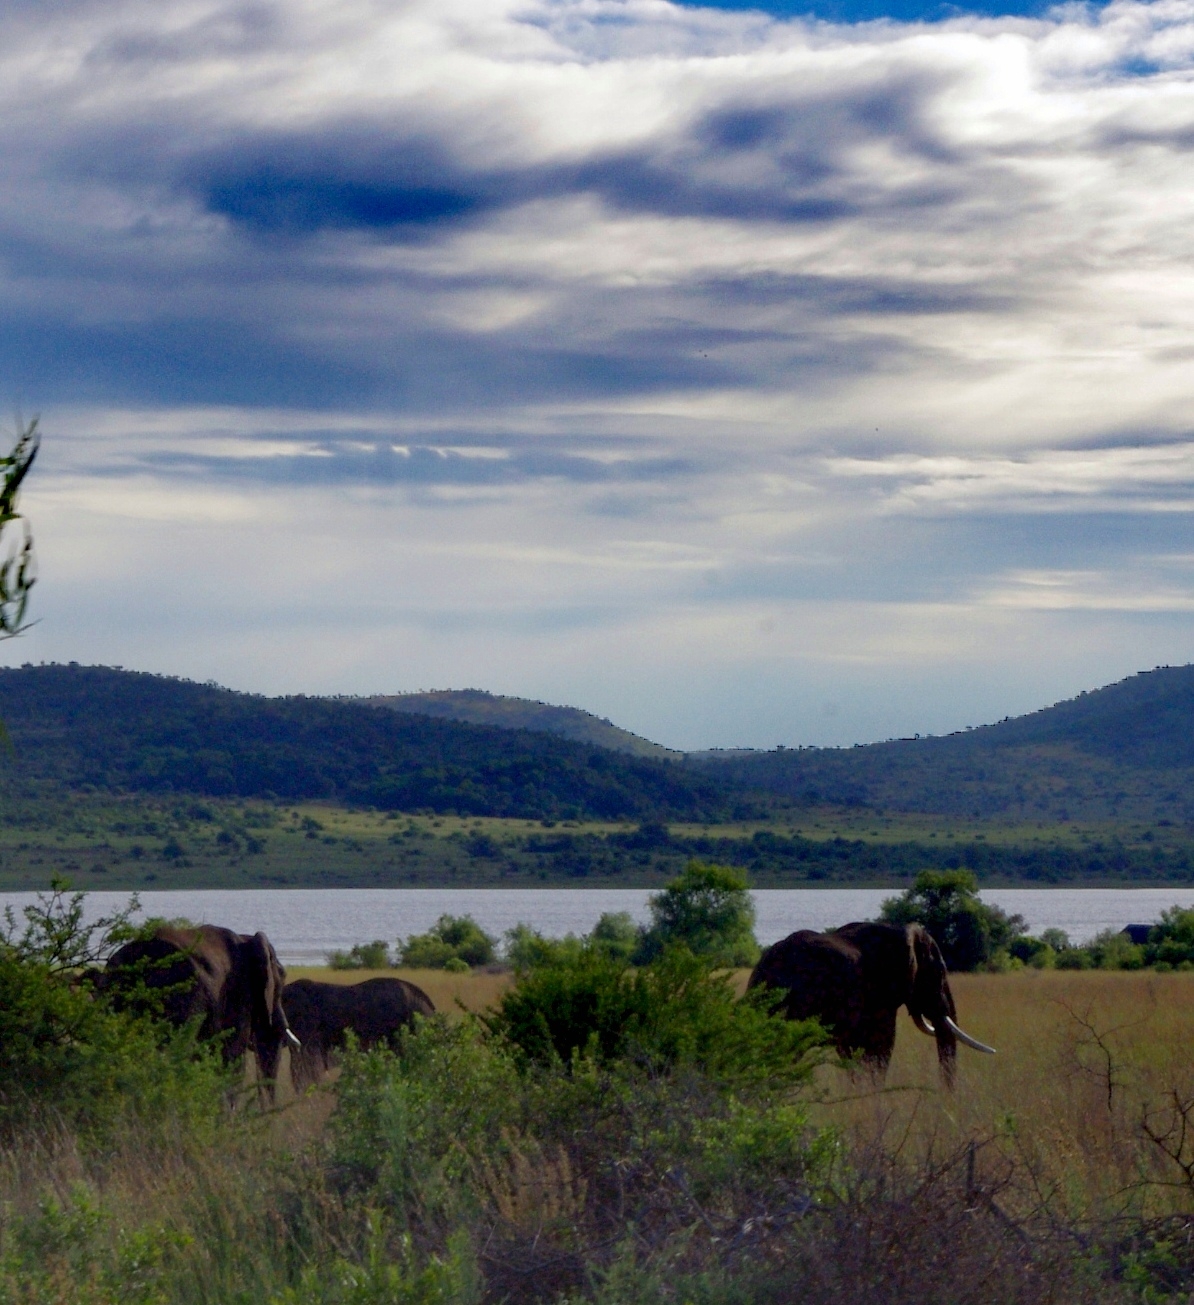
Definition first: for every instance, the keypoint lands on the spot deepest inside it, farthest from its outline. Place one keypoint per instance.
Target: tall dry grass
(450, 992)
(1075, 1114)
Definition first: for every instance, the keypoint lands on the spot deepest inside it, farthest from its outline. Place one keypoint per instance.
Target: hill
(478, 707)
(1120, 753)
(92, 727)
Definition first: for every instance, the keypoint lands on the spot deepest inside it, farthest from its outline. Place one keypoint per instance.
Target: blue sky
(803, 376)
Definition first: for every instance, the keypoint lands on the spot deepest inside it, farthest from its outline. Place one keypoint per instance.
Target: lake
(305, 924)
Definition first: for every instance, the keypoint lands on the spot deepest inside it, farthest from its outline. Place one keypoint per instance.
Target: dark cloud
(355, 459)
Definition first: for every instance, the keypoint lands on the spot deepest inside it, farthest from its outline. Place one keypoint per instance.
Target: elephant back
(818, 974)
(162, 964)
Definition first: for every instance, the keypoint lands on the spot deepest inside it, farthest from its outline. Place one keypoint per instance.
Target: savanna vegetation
(600, 1131)
(142, 840)
(120, 731)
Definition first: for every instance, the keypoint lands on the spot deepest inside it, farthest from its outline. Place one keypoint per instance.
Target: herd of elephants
(853, 979)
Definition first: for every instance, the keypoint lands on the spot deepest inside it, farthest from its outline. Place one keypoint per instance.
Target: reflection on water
(306, 924)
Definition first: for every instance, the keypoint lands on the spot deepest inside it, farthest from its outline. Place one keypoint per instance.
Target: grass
(1046, 1142)
(1083, 1058)
(451, 993)
(138, 841)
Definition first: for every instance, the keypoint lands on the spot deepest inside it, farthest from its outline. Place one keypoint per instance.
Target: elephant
(321, 1014)
(856, 978)
(231, 983)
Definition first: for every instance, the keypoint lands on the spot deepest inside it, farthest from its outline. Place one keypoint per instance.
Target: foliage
(1123, 752)
(525, 948)
(616, 935)
(968, 931)
(125, 731)
(362, 956)
(451, 938)
(382, 1277)
(707, 909)
(1171, 941)
(64, 1051)
(16, 570)
(673, 1011)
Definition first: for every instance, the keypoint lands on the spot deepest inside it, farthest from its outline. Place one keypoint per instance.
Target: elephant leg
(877, 1040)
(268, 1061)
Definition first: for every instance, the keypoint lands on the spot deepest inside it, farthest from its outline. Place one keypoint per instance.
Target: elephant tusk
(294, 1042)
(924, 1026)
(967, 1039)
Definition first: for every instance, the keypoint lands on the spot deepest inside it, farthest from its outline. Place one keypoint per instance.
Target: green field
(98, 840)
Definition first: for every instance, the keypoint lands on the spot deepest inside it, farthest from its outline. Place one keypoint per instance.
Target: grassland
(99, 840)
(1060, 1172)
(1085, 1061)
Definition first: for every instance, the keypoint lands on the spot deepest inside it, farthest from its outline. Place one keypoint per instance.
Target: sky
(801, 377)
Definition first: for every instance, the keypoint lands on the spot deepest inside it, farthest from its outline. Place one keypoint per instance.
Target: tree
(709, 910)
(16, 570)
(969, 932)
(452, 942)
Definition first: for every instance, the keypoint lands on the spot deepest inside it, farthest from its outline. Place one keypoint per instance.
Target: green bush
(707, 909)
(616, 935)
(968, 931)
(525, 947)
(381, 1277)
(363, 956)
(1171, 940)
(459, 937)
(1113, 950)
(65, 1053)
(673, 1011)
(408, 1125)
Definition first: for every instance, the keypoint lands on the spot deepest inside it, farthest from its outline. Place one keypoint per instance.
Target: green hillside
(1121, 753)
(98, 728)
(481, 708)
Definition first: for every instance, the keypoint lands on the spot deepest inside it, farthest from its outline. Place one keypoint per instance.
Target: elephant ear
(916, 935)
(267, 977)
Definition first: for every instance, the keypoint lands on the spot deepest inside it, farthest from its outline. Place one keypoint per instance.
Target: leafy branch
(17, 569)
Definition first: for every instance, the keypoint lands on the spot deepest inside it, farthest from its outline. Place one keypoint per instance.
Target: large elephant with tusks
(856, 978)
(321, 1014)
(229, 982)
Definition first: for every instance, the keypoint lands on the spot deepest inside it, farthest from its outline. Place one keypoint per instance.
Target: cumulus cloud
(762, 350)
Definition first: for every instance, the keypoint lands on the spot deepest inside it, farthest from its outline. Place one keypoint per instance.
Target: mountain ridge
(480, 707)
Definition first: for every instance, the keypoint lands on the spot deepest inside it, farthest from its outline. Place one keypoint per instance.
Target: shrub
(64, 1052)
(968, 931)
(616, 935)
(1113, 950)
(673, 1011)
(708, 909)
(459, 937)
(1171, 941)
(363, 956)
(525, 947)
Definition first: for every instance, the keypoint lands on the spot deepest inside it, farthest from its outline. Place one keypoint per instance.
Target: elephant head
(931, 1003)
(270, 1028)
(230, 984)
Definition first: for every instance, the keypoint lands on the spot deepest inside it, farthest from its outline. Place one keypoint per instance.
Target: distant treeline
(789, 859)
(125, 731)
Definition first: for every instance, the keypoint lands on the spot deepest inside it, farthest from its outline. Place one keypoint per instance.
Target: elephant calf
(322, 1013)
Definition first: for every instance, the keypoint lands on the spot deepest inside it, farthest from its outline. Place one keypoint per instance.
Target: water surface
(307, 923)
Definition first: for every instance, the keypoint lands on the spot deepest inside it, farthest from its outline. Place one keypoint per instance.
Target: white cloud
(615, 351)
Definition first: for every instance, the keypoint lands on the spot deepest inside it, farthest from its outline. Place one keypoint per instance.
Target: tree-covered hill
(1124, 752)
(481, 708)
(122, 730)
